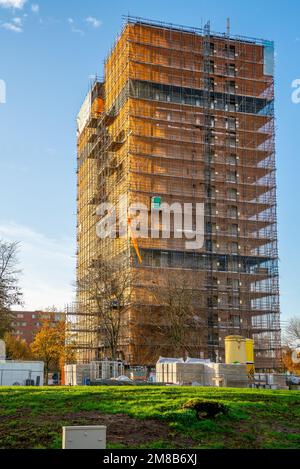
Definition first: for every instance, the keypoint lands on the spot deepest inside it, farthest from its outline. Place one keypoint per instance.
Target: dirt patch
(121, 429)
(127, 430)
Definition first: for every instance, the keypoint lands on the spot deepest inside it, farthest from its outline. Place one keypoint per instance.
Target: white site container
(84, 437)
(21, 373)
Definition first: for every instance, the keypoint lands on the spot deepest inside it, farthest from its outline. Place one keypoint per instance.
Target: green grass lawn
(150, 417)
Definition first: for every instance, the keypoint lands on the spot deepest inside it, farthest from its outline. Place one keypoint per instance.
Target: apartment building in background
(185, 115)
(26, 324)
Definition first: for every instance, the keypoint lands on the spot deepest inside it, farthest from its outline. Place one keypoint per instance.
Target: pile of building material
(84, 373)
(201, 372)
(229, 375)
(270, 381)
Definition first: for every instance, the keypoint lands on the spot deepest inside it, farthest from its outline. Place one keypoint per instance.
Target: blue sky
(48, 52)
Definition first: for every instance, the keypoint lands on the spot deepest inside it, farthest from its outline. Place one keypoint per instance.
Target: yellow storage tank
(235, 349)
(250, 350)
(250, 356)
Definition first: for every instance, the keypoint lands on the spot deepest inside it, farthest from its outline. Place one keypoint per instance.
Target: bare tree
(10, 292)
(291, 334)
(180, 326)
(107, 287)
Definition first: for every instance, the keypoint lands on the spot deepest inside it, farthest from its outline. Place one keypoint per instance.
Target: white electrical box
(85, 437)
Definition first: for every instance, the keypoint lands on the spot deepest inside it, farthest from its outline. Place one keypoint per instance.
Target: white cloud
(18, 21)
(48, 266)
(74, 29)
(12, 3)
(12, 27)
(15, 25)
(35, 8)
(93, 22)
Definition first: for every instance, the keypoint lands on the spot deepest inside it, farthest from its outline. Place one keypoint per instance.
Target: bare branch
(291, 334)
(107, 286)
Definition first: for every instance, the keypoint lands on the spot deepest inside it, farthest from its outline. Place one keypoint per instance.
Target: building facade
(185, 115)
(26, 324)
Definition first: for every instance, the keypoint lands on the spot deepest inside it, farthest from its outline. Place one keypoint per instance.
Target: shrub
(206, 409)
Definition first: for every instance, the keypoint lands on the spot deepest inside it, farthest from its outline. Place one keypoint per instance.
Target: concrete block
(84, 437)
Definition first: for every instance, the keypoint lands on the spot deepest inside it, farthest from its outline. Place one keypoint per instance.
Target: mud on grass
(150, 417)
(25, 430)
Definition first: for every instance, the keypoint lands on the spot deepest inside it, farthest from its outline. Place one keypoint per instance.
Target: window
(177, 259)
(213, 338)
(210, 191)
(210, 227)
(231, 176)
(189, 261)
(209, 83)
(231, 159)
(214, 282)
(233, 283)
(230, 87)
(231, 70)
(230, 51)
(208, 157)
(20, 315)
(234, 265)
(222, 264)
(234, 301)
(230, 123)
(231, 107)
(232, 211)
(232, 194)
(233, 248)
(164, 259)
(235, 320)
(232, 141)
(208, 245)
(233, 229)
(156, 259)
(209, 174)
(212, 301)
(210, 209)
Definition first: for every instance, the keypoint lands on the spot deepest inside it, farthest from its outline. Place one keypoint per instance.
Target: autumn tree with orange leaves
(16, 348)
(50, 346)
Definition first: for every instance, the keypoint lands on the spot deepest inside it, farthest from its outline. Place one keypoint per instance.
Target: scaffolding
(185, 114)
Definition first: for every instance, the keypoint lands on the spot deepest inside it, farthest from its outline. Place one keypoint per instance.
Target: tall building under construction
(184, 115)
